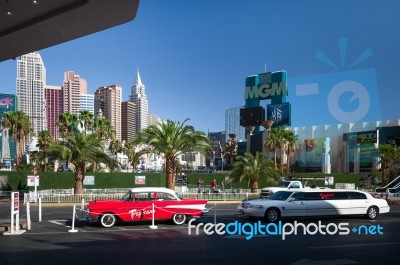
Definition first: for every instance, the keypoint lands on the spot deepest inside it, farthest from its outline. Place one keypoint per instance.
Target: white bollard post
(40, 209)
(73, 230)
(153, 226)
(215, 213)
(28, 215)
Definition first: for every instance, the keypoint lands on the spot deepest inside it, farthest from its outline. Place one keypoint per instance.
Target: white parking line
(58, 222)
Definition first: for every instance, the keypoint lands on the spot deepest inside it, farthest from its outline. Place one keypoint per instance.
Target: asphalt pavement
(55, 241)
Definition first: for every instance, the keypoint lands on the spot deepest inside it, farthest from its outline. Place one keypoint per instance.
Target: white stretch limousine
(314, 203)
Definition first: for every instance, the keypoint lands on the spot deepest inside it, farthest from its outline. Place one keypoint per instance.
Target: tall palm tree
(86, 120)
(67, 123)
(271, 143)
(133, 153)
(19, 128)
(81, 149)
(103, 128)
(252, 169)
(389, 155)
(276, 139)
(44, 142)
(115, 146)
(172, 139)
(291, 139)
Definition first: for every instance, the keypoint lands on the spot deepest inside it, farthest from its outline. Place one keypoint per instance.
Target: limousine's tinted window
(356, 195)
(298, 196)
(326, 195)
(280, 195)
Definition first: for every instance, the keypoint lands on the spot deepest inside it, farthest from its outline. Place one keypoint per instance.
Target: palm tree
(81, 149)
(19, 128)
(291, 139)
(86, 120)
(44, 142)
(276, 139)
(271, 142)
(133, 153)
(252, 169)
(389, 155)
(115, 146)
(172, 139)
(103, 128)
(67, 123)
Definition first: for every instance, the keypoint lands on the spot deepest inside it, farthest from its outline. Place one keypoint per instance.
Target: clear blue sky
(193, 56)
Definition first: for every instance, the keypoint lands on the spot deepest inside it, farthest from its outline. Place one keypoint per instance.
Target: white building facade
(30, 85)
(138, 96)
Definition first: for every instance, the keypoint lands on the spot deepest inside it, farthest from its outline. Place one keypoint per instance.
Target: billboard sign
(279, 113)
(89, 180)
(266, 86)
(252, 116)
(140, 180)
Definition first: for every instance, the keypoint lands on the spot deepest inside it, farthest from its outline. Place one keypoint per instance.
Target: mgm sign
(271, 86)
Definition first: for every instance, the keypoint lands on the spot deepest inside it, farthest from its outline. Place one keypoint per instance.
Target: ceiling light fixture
(35, 2)
(9, 13)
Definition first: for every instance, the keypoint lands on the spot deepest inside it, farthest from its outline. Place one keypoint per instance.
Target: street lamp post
(213, 161)
(223, 159)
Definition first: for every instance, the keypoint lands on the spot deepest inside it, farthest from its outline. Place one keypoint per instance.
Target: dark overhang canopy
(29, 25)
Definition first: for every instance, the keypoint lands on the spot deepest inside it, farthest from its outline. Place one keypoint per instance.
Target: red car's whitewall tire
(108, 220)
(179, 219)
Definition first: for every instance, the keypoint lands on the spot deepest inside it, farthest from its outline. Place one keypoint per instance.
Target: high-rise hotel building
(232, 123)
(31, 82)
(73, 85)
(128, 120)
(54, 103)
(138, 96)
(110, 101)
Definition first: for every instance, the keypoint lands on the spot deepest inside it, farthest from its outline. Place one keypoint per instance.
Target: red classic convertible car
(137, 203)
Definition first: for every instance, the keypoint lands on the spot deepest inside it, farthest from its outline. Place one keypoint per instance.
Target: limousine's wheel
(372, 212)
(179, 219)
(272, 215)
(108, 220)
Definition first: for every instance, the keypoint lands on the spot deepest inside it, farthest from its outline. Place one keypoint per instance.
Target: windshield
(280, 195)
(127, 196)
(180, 197)
(283, 184)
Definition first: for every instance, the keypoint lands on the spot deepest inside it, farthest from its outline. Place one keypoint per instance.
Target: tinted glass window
(356, 195)
(312, 196)
(339, 196)
(280, 195)
(299, 196)
(326, 195)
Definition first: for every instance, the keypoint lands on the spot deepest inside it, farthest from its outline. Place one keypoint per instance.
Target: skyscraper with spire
(31, 82)
(138, 96)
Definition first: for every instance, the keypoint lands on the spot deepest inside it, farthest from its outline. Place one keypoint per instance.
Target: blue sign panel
(279, 113)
